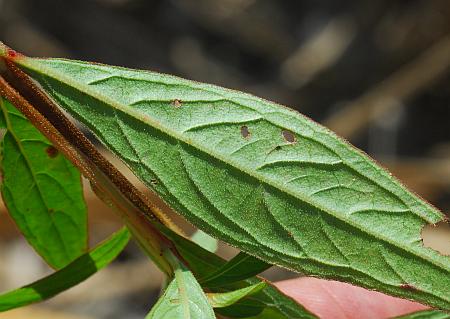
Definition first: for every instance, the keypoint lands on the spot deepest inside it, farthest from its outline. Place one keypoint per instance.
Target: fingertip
(332, 299)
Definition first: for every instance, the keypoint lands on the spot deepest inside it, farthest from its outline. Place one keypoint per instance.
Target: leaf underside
(42, 191)
(258, 176)
(270, 300)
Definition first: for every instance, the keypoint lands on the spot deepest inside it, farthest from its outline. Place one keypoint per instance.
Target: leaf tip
(8, 53)
(2, 48)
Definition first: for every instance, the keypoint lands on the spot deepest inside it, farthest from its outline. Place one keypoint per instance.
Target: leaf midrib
(86, 89)
(182, 290)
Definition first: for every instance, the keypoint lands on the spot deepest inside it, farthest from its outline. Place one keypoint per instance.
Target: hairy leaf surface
(258, 176)
(69, 276)
(42, 191)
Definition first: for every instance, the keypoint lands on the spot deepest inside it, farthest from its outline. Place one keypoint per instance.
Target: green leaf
(2, 117)
(269, 300)
(2, 49)
(258, 176)
(204, 240)
(267, 313)
(42, 191)
(241, 267)
(74, 273)
(426, 314)
(225, 299)
(182, 299)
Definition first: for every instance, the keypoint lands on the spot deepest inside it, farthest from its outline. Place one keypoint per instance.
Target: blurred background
(376, 72)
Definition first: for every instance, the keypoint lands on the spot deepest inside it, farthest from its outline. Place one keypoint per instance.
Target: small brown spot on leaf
(290, 234)
(51, 151)
(51, 210)
(12, 54)
(177, 103)
(244, 131)
(288, 136)
(408, 287)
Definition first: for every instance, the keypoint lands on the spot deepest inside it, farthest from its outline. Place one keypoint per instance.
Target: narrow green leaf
(426, 314)
(182, 299)
(241, 267)
(204, 240)
(74, 273)
(258, 176)
(269, 300)
(267, 313)
(2, 49)
(225, 299)
(42, 191)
